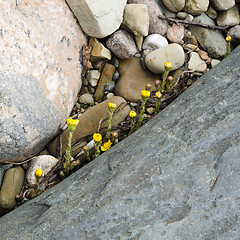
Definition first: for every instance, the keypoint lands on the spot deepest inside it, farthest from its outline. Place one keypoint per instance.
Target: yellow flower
(97, 137)
(38, 173)
(132, 114)
(145, 94)
(72, 123)
(228, 38)
(112, 106)
(106, 146)
(167, 66)
(158, 95)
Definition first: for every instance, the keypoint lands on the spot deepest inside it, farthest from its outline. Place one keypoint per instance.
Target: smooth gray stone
(177, 177)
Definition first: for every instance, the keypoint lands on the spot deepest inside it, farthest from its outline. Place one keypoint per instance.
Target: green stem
(141, 115)
(109, 124)
(87, 154)
(97, 149)
(228, 49)
(66, 164)
(132, 126)
(158, 104)
(162, 87)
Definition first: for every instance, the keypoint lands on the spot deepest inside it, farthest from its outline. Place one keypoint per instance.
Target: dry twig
(177, 21)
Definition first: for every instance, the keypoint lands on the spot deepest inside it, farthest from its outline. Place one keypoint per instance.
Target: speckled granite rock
(40, 74)
(177, 177)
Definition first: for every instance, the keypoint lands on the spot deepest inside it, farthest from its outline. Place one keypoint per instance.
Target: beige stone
(211, 12)
(89, 121)
(98, 18)
(172, 53)
(196, 7)
(196, 63)
(223, 4)
(136, 18)
(229, 17)
(98, 52)
(133, 79)
(174, 5)
(43, 162)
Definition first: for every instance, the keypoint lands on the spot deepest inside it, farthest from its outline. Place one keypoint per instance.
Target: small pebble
(115, 76)
(109, 87)
(182, 15)
(150, 110)
(137, 55)
(214, 62)
(87, 99)
(110, 95)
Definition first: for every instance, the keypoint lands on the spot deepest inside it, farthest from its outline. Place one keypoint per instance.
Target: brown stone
(133, 79)
(89, 121)
(98, 52)
(203, 55)
(106, 77)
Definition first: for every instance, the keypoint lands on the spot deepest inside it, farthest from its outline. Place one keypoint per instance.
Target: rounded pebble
(12, 185)
(172, 53)
(87, 99)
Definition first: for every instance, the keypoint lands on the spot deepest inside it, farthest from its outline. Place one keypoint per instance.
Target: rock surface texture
(98, 18)
(40, 74)
(177, 177)
(211, 41)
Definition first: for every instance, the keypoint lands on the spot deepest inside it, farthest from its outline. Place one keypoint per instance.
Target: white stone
(222, 4)
(154, 41)
(196, 63)
(93, 82)
(172, 53)
(214, 62)
(93, 75)
(110, 95)
(174, 5)
(229, 17)
(98, 18)
(43, 162)
(136, 18)
(196, 7)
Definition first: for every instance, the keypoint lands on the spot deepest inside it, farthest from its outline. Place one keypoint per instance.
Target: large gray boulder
(40, 74)
(177, 177)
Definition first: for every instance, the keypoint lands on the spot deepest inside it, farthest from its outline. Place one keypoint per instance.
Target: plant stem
(109, 124)
(66, 164)
(141, 115)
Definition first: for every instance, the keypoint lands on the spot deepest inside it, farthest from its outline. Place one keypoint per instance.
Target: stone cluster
(41, 65)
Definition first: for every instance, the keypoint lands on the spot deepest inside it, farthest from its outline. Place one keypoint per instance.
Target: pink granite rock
(156, 25)
(40, 74)
(175, 33)
(122, 45)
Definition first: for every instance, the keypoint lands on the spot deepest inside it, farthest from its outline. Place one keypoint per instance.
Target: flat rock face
(40, 74)
(177, 177)
(98, 18)
(212, 41)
